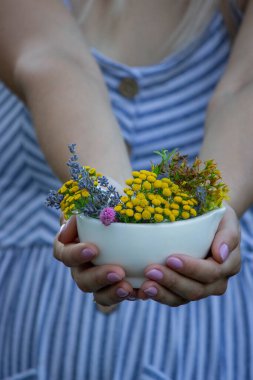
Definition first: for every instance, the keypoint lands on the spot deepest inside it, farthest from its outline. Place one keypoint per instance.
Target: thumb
(68, 232)
(227, 237)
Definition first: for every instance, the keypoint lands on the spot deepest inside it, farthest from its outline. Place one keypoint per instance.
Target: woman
(49, 328)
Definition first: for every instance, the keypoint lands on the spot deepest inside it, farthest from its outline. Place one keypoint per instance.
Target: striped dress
(49, 329)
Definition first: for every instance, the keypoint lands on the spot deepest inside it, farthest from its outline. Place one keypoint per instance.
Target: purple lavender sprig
(101, 195)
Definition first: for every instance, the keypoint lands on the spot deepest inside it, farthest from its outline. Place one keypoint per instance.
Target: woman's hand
(106, 282)
(186, 279)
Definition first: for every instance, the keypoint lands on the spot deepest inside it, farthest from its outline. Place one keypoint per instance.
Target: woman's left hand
(186, 279)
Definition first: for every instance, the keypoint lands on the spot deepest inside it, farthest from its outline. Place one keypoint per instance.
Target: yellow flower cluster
(153, 200)
(75, 198)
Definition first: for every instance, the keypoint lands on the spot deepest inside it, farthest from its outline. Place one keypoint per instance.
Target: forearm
(69, 105)
(228, 139)
(48, 64)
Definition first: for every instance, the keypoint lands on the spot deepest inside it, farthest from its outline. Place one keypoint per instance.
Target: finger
(201, 270)
(114, 294)
(92, 279)
(74, 254)
(232, 265)
(184, 287)
(227, 237)
(176, 283)
(160, 294)
(106, 309)
(68, 231)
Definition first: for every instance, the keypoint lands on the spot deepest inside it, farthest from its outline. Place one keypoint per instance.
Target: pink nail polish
(87, 254)
(154, 274)
(113, 277)
(121, 292)
(174, 263)
(224, 252)
(151, 292)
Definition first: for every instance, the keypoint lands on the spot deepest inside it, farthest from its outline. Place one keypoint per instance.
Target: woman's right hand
(106, 282)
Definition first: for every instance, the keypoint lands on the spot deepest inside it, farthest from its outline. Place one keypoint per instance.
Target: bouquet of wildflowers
(170, 191)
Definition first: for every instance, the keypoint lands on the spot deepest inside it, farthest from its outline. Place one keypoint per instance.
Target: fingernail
(154, 274)
(151, 292)
(130, 298)
(224, 251)
(87, 253)
(62, 228)
(121, 292)
(174, 263)
(113, 277)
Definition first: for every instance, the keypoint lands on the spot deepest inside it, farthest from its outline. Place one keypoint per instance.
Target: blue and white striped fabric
(49, 330)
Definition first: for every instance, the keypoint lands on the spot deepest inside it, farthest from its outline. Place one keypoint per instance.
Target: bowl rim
(155, 225)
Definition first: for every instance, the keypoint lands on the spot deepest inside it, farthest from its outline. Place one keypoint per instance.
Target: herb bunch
(88, 192)
(172, 190)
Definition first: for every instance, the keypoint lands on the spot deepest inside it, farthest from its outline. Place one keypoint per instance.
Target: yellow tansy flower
(92, 171)
(124, 199)
(143, 202)
(193, 212)
(129, 181)
(137, 216)
(146, 215)
(157, 184)
(175, 212)
(136, 187)
(174, 206)
(146, 185)
(172, 217)
(185, 215)
(77, 196)
(166, 180)
(118, 208)
(74, 189)
(137, 180)
(178, 199)
(129, 212)
(140, 196)
(129, 205)
(186, 207)
(68, 183)
(136, 201)
(167, 212)
(184, 195)
(156, 202)
(138, 208)
(142, 176)
(135, 174)
(151, 179)
(158, 218)
(63, 189)
(85, 194)
(159, 210)
(167, 192)
(129, 192)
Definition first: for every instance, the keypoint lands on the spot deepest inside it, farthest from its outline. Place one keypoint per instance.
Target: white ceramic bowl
(134, 246)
